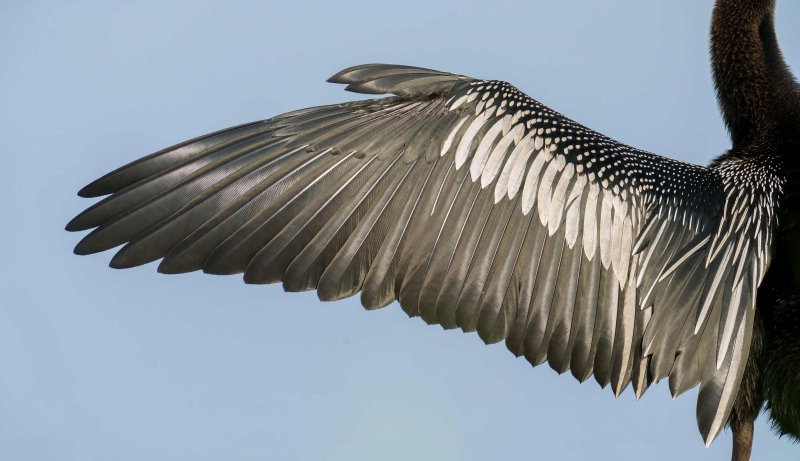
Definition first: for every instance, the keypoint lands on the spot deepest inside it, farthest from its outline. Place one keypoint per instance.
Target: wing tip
(75, 225)
(400, 80)
(219, 269)
(256, 277)
(128, 257)
(341, 76)
(172, 266)
(709, 430)
(709, 439)
(87, 246)
(100, 186)
(90, 191)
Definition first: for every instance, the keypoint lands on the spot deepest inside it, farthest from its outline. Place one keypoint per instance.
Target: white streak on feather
(462, 152)
(594, 190)
(625, 252)
(545, 193)
(458, 102)
(482, 152)
(590, 222)
(713, 289)
(449, 141)
(730, 322)
(651, 248)
(531, 183)
(502, 186)
(606, 223)
(495, 160)
(644, 234)
(742, 257)
(519, 132)
(629, 313)
(577, 188)
(560, 161)
(616, 239)
(506, 124)
(558, 200)
(517, 176)
(690, 251)
(573, 223)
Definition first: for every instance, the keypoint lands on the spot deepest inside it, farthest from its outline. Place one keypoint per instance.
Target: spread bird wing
(476, 207)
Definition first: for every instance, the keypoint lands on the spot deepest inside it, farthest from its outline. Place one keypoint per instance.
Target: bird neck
(750, 75)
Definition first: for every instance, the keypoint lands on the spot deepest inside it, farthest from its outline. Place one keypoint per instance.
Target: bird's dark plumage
(477, 207)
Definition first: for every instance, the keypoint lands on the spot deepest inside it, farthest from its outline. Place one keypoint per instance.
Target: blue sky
(131, 365)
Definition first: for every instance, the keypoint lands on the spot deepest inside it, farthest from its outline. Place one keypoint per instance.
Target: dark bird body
(760, 103)
(477, 207)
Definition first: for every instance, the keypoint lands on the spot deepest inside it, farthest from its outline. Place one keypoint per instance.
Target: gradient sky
(103, 364)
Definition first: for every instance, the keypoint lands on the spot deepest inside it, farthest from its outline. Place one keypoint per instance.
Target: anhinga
(477, 207)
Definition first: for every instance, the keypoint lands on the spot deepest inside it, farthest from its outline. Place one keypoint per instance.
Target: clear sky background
(99, 364)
